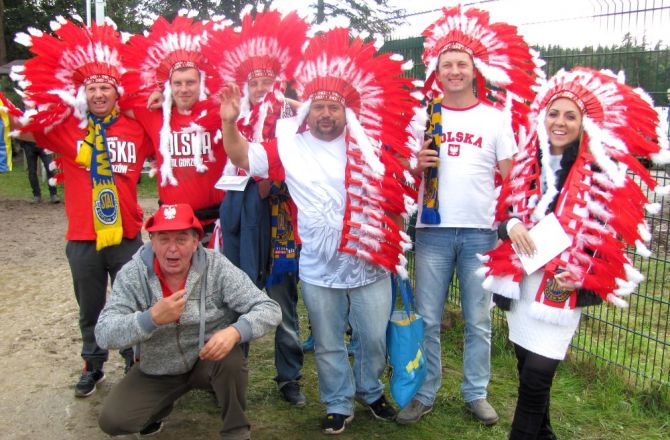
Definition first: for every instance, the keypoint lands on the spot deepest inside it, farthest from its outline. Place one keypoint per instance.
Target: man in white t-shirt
(469, 141)
(334, 176)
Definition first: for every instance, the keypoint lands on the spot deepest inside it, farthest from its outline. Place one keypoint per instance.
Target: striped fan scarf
(430, 213)
(94, 155)
(284, 252)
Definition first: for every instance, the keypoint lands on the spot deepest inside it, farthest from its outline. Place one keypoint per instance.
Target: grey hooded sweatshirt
(230, 298)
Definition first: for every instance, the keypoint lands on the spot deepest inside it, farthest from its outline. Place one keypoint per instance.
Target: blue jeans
(288, 347)
(330, 310)
(438, 252)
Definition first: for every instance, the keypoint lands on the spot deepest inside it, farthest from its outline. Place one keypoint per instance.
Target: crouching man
(185, 309)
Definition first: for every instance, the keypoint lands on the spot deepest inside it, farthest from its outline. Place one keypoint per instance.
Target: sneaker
(413, 412)
(382, 410)
(483, 411)
(335, 423)
(54, 198)
(87, 382)
(152, 429)
(308, 345)
(292, 394)
(37, 199)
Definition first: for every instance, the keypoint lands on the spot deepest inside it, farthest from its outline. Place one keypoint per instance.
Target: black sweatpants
(90, 272)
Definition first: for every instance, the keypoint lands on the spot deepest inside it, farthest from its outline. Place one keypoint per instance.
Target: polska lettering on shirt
(461, 137)
(181, 148)
(182, 143)
(121, 154)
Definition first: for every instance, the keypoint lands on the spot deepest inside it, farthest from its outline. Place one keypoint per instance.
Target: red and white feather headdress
(53, 81)
(601, 206)
(500, 55)
(379, 108)
(267, 45)
(152, 58)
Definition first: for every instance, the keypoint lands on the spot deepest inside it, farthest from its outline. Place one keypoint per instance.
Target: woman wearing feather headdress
(585, 131)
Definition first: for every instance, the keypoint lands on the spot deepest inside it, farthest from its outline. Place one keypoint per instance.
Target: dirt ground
(40, 343)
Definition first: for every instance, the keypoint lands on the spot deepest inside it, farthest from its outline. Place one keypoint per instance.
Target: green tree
(376, 16)
(206, 9)
(21, 14)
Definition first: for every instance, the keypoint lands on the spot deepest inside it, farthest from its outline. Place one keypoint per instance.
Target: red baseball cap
(174, 218)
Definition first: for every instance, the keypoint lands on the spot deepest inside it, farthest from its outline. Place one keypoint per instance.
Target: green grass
(587, 402)
(590, 400)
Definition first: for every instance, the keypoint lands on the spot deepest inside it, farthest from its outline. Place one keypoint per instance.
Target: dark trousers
(32, 153)
(288, 347)
(531, 417)
(90, 272)
(141, 399)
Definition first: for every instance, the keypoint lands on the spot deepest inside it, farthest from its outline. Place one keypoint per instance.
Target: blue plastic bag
(404, 346)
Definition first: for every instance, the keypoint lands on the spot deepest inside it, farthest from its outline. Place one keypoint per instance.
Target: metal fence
(634, 341)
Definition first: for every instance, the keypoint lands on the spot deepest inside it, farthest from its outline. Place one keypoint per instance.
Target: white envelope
(550, 240)
(232, 183)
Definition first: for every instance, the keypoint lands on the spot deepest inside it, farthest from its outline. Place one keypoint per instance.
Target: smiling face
(259, 87)
(563, 122)
(456, 72)
(101, 98)
(185, 84)
(174, 250)
(326, 119)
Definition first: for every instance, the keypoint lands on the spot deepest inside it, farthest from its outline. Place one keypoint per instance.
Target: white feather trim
(23, 39)
(402, 272)
(505, 286)
(167, 175)
(409, 65)
(369, 152)
(543, 137)
(616, 301)
(641, 249)
(643, 230)
(632, 274)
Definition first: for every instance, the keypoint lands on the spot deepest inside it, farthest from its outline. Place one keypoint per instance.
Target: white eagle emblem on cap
(170, 212)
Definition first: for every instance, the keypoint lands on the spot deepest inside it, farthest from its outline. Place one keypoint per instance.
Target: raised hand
(230, 103)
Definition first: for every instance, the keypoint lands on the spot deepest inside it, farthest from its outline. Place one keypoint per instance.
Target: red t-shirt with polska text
(128, 146)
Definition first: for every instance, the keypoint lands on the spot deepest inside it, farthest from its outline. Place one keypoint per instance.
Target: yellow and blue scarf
(5, 141)
(94, 155)
(284, 249)
(430, 212)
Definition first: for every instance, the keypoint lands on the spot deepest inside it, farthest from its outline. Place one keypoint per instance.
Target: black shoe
(152, 429)
(54, 199)
(87, 382)
(292, 394)
(335, 423)
(381, 410)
